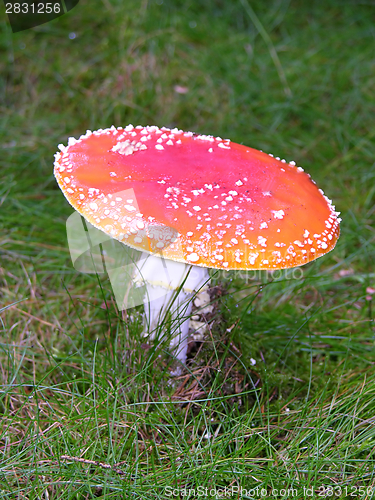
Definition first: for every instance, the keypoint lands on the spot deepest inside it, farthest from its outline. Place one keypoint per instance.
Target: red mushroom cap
(221, 204)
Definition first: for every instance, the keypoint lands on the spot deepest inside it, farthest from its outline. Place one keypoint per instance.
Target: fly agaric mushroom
(223, 206)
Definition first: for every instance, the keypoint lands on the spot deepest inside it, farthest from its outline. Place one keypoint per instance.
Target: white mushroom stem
(162, 279)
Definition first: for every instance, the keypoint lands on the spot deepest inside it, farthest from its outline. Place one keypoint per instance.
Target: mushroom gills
(163, 279)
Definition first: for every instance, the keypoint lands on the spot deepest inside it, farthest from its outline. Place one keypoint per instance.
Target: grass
(293, 78)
